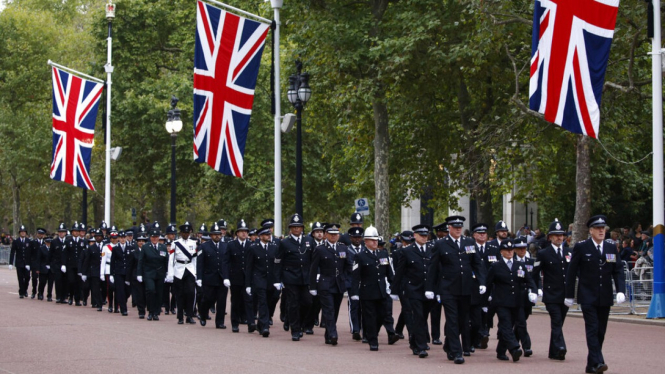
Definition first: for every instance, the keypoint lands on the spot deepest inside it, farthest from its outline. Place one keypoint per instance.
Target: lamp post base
(657, 307)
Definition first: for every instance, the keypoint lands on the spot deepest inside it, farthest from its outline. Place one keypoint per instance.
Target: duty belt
(183, 262)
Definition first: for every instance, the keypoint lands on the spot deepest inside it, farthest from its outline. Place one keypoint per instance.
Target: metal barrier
(4, 254)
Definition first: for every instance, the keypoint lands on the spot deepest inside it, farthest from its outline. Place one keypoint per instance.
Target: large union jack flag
(569, 51)
(226, 65)
(75, 104)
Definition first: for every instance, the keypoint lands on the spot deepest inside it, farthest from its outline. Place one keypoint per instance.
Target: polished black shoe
(49, 299)
(265, 333)
(316, 322)
(400, 335)
(141, 316)
(270, 322)
(427, 348)
(502, 357)
(79, 304)
(115, 311)
(105, 302)
(373, 347)
(235, 329)
(124, 314)
(202, 321)
(166, 312)
(251, 328)
(599, 368)
(528, 353)
(356, 336)
(110, 310)
(472, 349)
(32, 296)
(483, 341)
(392, 338)
(223, 327)
(333, 340)
(190, 320)
(149, 317)
(180, 321)
(516, 354)
(212, 310)
(459, 360)
(155, 317)
(322, 325)
(70, 302)
(423, 354)
(243, 322)
(328, 341)
(450, 356)
(85, 303)
(562, 353)
(309, 331)
(466, 354)
(436, 342)
(40, 297)
(365, 341)
(20, 296)
(172, 311)
(99, 309)
(295, 338)
(286, 326)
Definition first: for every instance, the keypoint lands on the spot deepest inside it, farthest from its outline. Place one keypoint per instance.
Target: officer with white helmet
(182, 272)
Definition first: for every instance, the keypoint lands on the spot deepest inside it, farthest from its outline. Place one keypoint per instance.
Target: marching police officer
(120, 271)
(70, 259)
(169, 298)
(44, 269)
(182, 273)
(138, 289)
(57, 267)
(356, 221)
(105, 270)
(405, 238)
(260, 277)
(441, 231)
(151, 270)
(489, 254)
(91, 269)
(552, 261)
(212, 274)
(454, 263)
(35, 247)
(355, 235)
(317, 235)
(21, 253)
(242, 308)
(521, 332)
(596, 263)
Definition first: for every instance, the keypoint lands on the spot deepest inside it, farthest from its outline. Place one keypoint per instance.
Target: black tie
(457, 243)
(481, 249)
(558, 251)
(600, 250)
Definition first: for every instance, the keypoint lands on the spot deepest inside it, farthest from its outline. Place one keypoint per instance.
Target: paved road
(36, 336)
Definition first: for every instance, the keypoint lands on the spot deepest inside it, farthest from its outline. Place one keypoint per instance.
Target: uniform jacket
(57, 248)
(596, 272)
(153, 262)
(411, 271)
(553, 269)
(134, 262)
(212, 264)
(107, 253)
(92, 259)
(121, 260)
(333, 267)
(528, 263)
(43, 258)
(71, 252)
(180, 261)
(35, 247)
(237, 253)
(351, 252)
(260, 266)
(293, 261)
(453, 268)
(370, 271)
(21, 251)
(506, 285)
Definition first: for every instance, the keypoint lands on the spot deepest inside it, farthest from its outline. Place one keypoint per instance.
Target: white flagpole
(110, 15)
(276, 5)
(61, 67)
(248, 14)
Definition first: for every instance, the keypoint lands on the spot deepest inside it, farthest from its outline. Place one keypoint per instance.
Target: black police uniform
(241, 304)
(489, 254)
(138, 288)
(70, 258)
(57, 249)
(260, 276)
(92, 258)
(152, 266)
(35, 246)
(355, 310)
(45, 273)
(20, 252)
(521, 331)
(212, 267)
(120, 269)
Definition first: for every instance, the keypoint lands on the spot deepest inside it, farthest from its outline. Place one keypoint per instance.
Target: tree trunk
(16, 211)
(485, 213)
(583, 186)
(159, 210)
(381, 158)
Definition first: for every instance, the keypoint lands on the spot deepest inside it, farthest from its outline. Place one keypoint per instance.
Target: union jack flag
(226, 65)
(75, 104)
(569, 51)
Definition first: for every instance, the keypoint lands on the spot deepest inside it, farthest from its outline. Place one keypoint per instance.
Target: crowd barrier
(4, 254)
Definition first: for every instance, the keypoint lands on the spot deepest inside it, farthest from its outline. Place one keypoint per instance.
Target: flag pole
(110, 15)
(657, 307)
(248, 14)
(61, 67)
(276, 5)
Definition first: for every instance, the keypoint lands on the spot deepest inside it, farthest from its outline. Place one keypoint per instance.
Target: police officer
(90, 269)
(138, 289)
(70, 258)
(505, 281)
(21, 252)
(182, 273)
(120, 271)
(169, 301)
(44, 269)
(406, 238)
(212, 275)
(269, 223)
(371, 269)
(552, 262)
(105, 270)
(83, 244)
(356, 221)
(223, 227)
(454, 263)
(151, 270)
(260, 277)
(521, 332)
(501, 232)
(35, 247)
(411, 271)
(57, 267)
(441, 231)
(317, 235)
(242, 308)
(355, 235)
(489, 254)
(292, 264)
(596, 263)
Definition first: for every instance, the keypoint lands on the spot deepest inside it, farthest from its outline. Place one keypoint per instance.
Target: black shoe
(373, 347)
(466, 354)
(105, 302)
(400, 335)
(427, 348)
(328, 341)
(33, 296)
(322, 325)
(316, 322)
(49, 299)
(40, 297)
(472, 349)
(286, 326)
(450, 356)
(562, 353)
(20, 296)
(79, 304)
(124, 314)
(85, 303)
(202, 321)
(459, 360)
(365, 341)
(356, 336)
(243, 322)
(516, 354)
(70, 302)
(212, 310)
(436, 342)
(415, 351)
(149, 317)
(172, 311)
(333, 340)
(110, 310)
(251, 328)
(221, 327)
(599, 368)
(270, 322)
(235, 329)
(115, 311)
(392, 338)
(155, 317)
(483, 341)
(99, 309)
(502, 357)
(180, 321)
(300, 334)
(423, 354)
(528, 352)
(309, 332)
(265, 333)
(141, 316)
(166, 312)
(295, 338)
(190, 320)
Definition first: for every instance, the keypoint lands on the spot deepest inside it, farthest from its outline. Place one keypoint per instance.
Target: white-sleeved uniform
(105, 267)
(178, 261)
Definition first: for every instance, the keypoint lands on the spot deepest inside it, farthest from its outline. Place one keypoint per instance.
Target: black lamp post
(299, 94)
(173, 126)
(531, 219)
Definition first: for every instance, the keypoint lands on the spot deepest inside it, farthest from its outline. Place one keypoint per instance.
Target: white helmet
(371, 233)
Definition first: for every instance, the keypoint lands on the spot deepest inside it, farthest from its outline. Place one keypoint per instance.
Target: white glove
(313, 292)
(27, 267)
(394, 297)
(63, 268)
(84, 278)
(356, 297)
(489, 298)
(540, 293)
(438, 299)
(11, 267)
(621, 298)
(568, 302)
(387, 287)
(482, 290)
(484, 309)
(249, 291)
(79, 274)
(533, 297)
(48, 267)
(278, 286)
(227, 283)
(127, 283)
(111, 279)
(199, 282)
(169, 279)
(429, 295)
(139, 278)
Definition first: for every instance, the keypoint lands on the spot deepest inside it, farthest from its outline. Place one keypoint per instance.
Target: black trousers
(418, 334)
(185, 294)
(595, 325)
(154, 289)
(373, 313)
(476, 325)
(388, 320)
(212, 295)
(435, 320)
(95, 292)
(266, 302)
(283, 309)
(313, 314)
(122, 292)
(34, 278)
(110, 293)
(355, 320)
(557, 317)
(138, 296)
(23, 276)
(59, 280)
(456, 310)
(521, 332)
(85, 290)
(170, 299)
(330, 303)
(44, 279)
(507, 318)
(240, 301)
(74, 284)
(299, 302)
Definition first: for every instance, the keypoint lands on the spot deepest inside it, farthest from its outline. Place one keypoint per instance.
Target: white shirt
(177, 269)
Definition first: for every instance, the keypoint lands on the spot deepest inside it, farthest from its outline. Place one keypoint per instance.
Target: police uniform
(242, 308)
(597, 265)
(552, 264)
(356, 219)
(169, 297)
(212, 272)
(182, 272)
(259, 280)
(138, 288)
(44, 268)
(57, 248)
(105, 272)
(151, 270)
(526, 306)
(407, 237)
(435, 313)
(355, 312)
(35, 248)
(315, 309)
(120, 272)
(70, 258)
(20, 256)
(90, 269)
(479, 334)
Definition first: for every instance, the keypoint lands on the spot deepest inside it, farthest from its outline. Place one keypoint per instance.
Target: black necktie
(600, 250)
(457, 243)
(481, 249)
